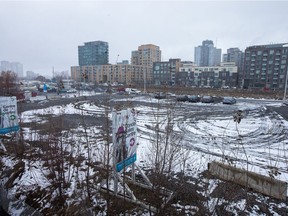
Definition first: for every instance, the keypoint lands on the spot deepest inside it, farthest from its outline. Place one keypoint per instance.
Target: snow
(215, 135)
(260, 138)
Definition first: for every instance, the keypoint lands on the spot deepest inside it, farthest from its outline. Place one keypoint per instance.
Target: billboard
(124, 137)
(8, 115)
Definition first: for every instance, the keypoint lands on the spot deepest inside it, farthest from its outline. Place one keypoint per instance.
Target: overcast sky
(46, 34)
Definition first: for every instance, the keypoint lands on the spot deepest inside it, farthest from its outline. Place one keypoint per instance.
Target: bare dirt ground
(246, 93)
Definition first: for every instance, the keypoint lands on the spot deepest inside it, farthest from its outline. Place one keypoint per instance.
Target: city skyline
(45, 34)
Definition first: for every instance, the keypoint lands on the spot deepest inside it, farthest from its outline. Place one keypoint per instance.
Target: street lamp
(145, 71)
(170, 70)
(285, 88)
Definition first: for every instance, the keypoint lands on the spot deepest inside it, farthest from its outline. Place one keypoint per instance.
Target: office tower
(31, 75)
(237, 56)
(93, 53)
(265, 66)
(234, 55)
(146, 55)
(207, 55)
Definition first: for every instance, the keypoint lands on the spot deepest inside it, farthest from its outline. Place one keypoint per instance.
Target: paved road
(54, 99)
(283, 111)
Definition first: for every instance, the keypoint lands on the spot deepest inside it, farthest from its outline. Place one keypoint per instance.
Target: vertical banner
(124, 137)
(8, 115)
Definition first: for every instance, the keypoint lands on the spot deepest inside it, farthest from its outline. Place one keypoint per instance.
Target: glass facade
(93, 53)
(207, 54)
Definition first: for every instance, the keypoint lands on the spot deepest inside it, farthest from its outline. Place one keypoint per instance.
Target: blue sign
(125, 163)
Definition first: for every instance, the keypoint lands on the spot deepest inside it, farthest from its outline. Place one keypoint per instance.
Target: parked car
(207, 99)
(160, 95)
(20, 96)
(194, 98)
(182, 98)
(132, 91)
(169, 94)
(229, 100)
(51, 90)
(71, 91)
(34, 94)
(121, 90)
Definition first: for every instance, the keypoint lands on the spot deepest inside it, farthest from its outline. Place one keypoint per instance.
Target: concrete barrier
(260, 183)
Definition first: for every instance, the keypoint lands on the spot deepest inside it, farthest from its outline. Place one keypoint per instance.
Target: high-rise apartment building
(207, 55)
(146, 55)
(265, 66)
(16, 67)
(93, 53)
(31, 75)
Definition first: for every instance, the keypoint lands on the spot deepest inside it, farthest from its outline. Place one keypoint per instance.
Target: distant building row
(262, 66)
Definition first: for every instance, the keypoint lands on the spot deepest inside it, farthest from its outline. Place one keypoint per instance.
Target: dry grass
(246, 93)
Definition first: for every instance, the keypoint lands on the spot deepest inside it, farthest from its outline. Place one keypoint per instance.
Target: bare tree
(166, 148)
(166, 152)
(7, 82)
(41, 78)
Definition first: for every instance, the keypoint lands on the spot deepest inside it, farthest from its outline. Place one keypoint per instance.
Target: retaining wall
(260, 183)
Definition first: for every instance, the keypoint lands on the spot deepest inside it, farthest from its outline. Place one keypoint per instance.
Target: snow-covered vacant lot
(201, 133)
